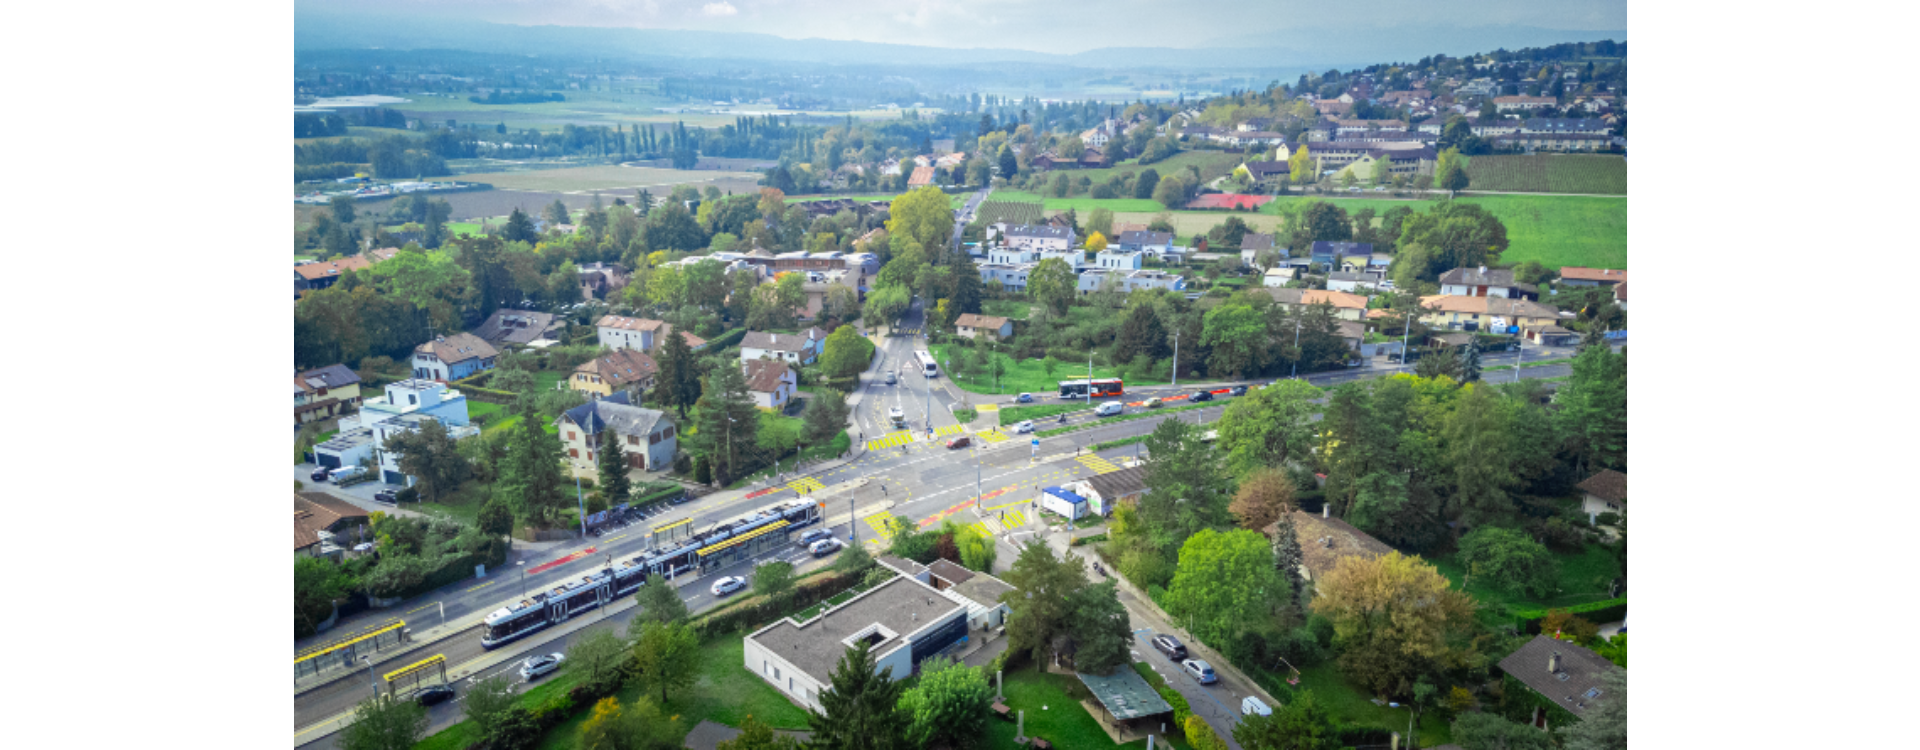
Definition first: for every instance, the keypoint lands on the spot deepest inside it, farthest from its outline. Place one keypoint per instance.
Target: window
(653, 439)
(574, 452)
(1593, 692)
(635, 440)
(569, 434)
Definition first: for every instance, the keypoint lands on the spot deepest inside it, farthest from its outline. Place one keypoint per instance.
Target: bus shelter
(325, 660)
(416, 675)
(721, 554)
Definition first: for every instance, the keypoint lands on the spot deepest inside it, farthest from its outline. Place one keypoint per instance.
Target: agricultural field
(1589, 174)
(1555, 230)
(1210, 163)
(1012, 211)
(1186, 224)
(611, 178)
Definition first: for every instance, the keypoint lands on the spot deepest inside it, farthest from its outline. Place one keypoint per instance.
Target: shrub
(1094, 539)
(1200, 735)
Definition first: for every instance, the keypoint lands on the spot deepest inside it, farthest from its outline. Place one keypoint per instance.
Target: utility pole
(1403, 339)
(582, 497)
(1176, 356)
(1296, 348)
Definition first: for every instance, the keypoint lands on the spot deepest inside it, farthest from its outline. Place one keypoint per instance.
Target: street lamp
(522, 565)
(368, 658)
(1409, 709)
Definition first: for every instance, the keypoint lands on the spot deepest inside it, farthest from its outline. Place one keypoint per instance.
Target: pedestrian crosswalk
(992, 436)
(980, 528)
(882, 524)
(1097, 464)
(984, 408)
(1016, 518)
(952, 429)
(890, 440)
(806, 485)
(914, 331)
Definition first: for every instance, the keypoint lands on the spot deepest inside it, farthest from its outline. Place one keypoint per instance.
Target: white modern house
(620, 332)
(1039, 237)
(1112, 259)
(403, 408)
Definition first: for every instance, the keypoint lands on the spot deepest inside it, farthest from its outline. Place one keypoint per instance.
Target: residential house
(648, 436)
(1134, 242)
(1278, 276)
(403, 407)
(1620, 295)
(802, 348)
(1040, 237)
(1006, 277)
(1252, 244)
(1104, 492)
(1375, 263)
(597, 280)
(1550, 335)
(1482, 282)
(1365, 126)
(980, 590)
(1329, 253)
(1074, 258)
(1153, 280)
(1111, 258)
(315, 276)
(1267, 175)
(1345, 306)
(1325, 540)
(1567, 674)
(448, 358)
(1606, 492)
(922, 177)
(989, 326)
(1492, 314)
(1344, 281)
(1013, 256)
(903, 622)
(1579, 276)
(324, 393)
(509, 327)
(620, 332)
(771, 383)
(614, 371)
(1523, 103)
(1561, 142)
(326, 526)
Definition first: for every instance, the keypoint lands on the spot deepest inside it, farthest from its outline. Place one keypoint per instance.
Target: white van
(346, 472)
(1251, 706)
(1109, 409)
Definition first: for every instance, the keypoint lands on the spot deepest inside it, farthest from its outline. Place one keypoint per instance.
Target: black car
(1239, 390)
(433, 695)
(319, 475)
(1201, 396)
(1170, 646)
(389, 497)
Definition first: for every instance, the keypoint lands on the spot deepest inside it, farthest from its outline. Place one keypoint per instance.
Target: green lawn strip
(1027, 375)
(1354, 705)
(1012, 309)
(1524, 365)
(459, 736)
(1554, 230)
(1119, 443)
(726, 693)
(1053, 715)
(1583, 578)
(1142, 414)
(463, 503)
(1012, 415)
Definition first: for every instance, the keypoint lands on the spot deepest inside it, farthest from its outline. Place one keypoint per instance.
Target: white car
(728, 584)
(1023, 427)
(541, 666)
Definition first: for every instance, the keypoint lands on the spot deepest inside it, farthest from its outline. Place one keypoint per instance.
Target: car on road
(825, 547)
(1109, 409)
(1023, 428)
(1170, 646)
(432, 695)
(815, 535)
(1202, 396)
(1251, 706)
(390, 497)
(1238, 390)
(727, 585)
(959, 442)
(1153, 403)
(540, 666)
(1200, 670)
(892, 378)
(1024, 398)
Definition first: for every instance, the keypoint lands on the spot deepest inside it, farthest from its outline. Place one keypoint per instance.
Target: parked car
(1024, 398)
(1023, 428)
(1201, 396)
(1200, 670)
(1170, 646)
(727, 585)
(318, 475)
(1251, 706)
(390, 497)
(959, 442)
(892, 378)
(432, 695)
(541, 666)
(1153, 403)
(815, 535)
(825, 547)
(1109, 409)
(1238, 390)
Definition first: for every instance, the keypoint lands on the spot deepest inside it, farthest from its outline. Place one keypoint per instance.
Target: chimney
(1483, 270)
(1553, 662)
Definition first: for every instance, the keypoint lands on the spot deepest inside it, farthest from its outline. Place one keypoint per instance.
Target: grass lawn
(1025, 376)
(1355, 706)
(726, 692)
(479, 409)
(1186, 224)
(1054, 716)
(606, 177)
(1082, 204)
(1128, 417)
(1557, 231)
(1007, 308)
(1598, 174)
(1584, 576)
(463, 504)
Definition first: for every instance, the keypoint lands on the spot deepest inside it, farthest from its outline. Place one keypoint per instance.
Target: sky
(1057, 27)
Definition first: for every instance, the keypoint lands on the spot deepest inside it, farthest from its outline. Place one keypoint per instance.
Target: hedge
(470, 386)
(1181, 709)
(725, 340)
(1090, 539)
(1596, 612)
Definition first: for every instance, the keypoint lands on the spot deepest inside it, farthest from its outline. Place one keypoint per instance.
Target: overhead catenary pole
(1176, 356)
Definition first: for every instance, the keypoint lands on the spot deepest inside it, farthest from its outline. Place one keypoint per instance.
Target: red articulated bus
(1102, 388)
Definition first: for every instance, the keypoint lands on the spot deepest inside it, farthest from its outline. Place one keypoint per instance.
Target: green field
(1592, 174)
(608, 177)
(1584, 576)
(1053, 714)
(1082, 204)
(1554, 230)
(1007, 308)
(1013, 211)
(1210, 163)
(1027, 375)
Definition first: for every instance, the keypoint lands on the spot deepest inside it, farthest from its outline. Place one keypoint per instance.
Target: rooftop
(1606, 485)
(459, 347)
(1125, 694)
(1324, 541)
(1574, 685)
(616, 412)
(886, 616)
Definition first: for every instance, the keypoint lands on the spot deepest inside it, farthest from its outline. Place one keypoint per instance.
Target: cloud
(721, 8)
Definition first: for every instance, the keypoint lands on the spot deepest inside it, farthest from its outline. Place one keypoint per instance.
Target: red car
(959, 442)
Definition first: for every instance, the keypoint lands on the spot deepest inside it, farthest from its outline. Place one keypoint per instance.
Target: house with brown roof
(1580, 276)
(1485, 282)
(922, 177)
(649, 438)
(1606, 492)
(990, 326)
(449, 358)
(614, 371)
(324, 393)
(802, 348)
(326, 526)
(1565, 673)
(1346, 306)
(644, 334)
(315, 276)
(1494, 314)
(771, 382)
(1523, 103)
(1325, 541)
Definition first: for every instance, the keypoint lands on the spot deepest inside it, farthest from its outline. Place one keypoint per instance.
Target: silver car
(541, 666)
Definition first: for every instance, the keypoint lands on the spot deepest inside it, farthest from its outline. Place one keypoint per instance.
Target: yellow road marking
(481, 586)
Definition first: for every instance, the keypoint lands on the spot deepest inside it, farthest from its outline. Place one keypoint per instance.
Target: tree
(1481, 453)
(925, 214)
(1099, 626)
(381, 724)
(825, 416)
(1146, 183)
(342, 206)
(1263, 497)
(495, 518)
(1096, 242)
(1142, 333)
(757, 735)
(1304, 723)
(1226, 585)
(1480, 731)
(615, 486)
(597, 655)
(1288, 557)
(1469, 363)
(1510, 560)
(531, 475)
(640, 725)
(1186, 491)
(1272, 426)
(556, 214)
(728, 423)
(1100, 222)
(860, 708)
(948, 705)
(1592, 414)
(1382, 171)
(1238, 338)
(1053, 283)
(487, 704)
(659, 603)
(667, 657)
(1171, 191)
(1395, 620)
(1300, 166)
(678, 382)
(844, 353)
(1449, 235)
(1450, 174)
(1326, 222)
(1043, 585)
(1009, 164)
(317, 584)
(774, 580)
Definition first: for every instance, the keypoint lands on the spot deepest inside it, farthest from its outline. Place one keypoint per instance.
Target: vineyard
(1012, 212)
(1590, 174)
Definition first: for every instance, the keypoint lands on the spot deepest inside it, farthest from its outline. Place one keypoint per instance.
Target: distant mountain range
(1315, 49)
